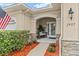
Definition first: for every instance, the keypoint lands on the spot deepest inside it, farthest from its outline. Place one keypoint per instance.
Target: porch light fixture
(71, 13)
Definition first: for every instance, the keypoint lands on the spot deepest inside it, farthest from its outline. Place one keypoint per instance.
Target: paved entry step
(39, 50)
(47, 40)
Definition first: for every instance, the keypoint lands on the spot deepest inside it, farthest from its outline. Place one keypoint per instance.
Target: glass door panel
(51, 29)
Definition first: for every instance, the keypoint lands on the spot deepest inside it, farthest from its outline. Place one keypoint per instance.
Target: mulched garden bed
(25, 50)
(55, 53)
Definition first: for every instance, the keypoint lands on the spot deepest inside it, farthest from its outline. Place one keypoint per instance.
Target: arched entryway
(46, 27)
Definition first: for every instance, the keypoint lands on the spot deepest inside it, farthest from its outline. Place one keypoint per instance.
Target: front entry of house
(46, 28)
(51, 29)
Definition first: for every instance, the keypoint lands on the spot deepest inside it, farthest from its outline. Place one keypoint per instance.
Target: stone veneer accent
(70, 48)
(33, 35)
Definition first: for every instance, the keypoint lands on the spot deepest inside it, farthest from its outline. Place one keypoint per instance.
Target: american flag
(4, 19)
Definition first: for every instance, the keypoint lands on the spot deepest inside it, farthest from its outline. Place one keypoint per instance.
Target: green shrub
(53, 44)
(51, 49)
(34, 40)
(12, 40)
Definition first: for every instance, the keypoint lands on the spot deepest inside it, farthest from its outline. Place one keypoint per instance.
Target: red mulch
(24, 51)
(56, 53)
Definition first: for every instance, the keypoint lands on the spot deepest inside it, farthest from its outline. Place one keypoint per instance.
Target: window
(12, 24)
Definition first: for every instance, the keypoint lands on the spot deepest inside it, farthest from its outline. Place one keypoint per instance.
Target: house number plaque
(71, 24)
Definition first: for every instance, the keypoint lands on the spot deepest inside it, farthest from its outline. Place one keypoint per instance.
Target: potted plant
(40, 30)
(51, 49)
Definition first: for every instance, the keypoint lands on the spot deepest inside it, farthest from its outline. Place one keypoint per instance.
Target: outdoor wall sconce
(71, 13)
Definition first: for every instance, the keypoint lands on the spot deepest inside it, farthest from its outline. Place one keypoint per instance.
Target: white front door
(51, 26)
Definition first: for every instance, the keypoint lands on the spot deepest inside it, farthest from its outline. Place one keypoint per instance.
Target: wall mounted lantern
(71, 13)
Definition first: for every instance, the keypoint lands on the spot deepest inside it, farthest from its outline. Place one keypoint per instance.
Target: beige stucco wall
(27, 21)
(19, 18)
(23, 21)
(70, 27)
(33, 26)
(58, 25)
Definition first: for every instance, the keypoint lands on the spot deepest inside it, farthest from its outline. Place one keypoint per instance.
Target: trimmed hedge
(12, 40)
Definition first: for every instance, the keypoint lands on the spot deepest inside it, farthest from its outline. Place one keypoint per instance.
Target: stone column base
(33, 35)
(70, 48)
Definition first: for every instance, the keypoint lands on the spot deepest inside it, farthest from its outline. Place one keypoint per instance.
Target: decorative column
(58, 25)
(70, 41)
(33, 28)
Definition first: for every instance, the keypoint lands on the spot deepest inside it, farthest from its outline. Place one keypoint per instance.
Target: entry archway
(46, 27)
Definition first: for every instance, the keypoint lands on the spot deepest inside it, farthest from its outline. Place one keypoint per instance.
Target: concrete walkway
(39, 50)
(47, 40)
